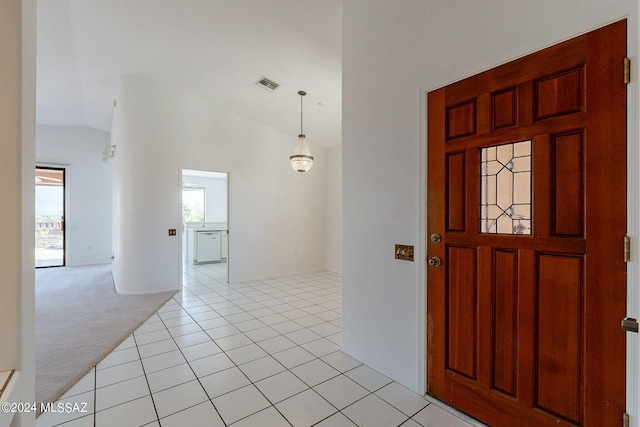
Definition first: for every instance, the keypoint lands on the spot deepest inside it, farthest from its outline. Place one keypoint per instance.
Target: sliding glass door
(50, 235)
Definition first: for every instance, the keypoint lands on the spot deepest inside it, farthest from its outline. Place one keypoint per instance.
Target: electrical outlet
(404, 252)
(172, 232)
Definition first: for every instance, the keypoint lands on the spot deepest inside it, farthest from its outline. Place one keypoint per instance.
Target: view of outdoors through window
(49, 193)
(193, 204)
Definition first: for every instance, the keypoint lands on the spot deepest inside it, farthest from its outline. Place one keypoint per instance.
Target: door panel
(527, 186)
(461, 316)
(504, 319)
(456, 207)
(559, 94)
(559, 292)
(567, 184)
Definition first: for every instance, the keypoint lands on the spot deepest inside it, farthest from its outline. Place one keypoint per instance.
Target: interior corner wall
(393, 52)
(17, 112)
(10, 190)
(88, 189)
(333, 236)
(27, 326)
(276, 216)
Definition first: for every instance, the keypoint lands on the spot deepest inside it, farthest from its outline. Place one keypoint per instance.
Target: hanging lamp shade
(301, 159)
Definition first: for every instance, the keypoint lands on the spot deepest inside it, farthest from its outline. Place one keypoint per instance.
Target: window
(505, 189)
(193, 204)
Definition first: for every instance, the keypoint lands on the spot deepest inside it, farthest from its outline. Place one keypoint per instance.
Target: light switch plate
(172, 232)
(404, 252)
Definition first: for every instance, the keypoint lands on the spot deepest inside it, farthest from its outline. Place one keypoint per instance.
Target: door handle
(434, 261)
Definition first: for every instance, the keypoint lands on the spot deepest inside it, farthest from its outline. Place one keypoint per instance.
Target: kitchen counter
(206, 226)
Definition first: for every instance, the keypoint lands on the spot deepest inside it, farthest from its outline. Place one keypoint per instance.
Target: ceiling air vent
(267, 84)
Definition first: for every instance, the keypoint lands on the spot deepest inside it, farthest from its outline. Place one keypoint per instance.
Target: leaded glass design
(505, 189)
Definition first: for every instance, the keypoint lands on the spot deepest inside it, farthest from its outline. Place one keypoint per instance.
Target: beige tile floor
(263, 353)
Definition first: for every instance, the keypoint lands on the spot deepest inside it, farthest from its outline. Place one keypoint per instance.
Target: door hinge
(625, 420)
(627, 248)
(627, 70)
(629, 324)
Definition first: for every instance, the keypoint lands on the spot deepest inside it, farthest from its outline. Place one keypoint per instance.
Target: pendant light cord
(301, 96)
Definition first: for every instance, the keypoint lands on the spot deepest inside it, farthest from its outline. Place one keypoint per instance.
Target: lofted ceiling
(212, 49)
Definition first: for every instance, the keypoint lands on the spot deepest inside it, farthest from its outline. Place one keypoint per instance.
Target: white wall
(276, 216)
(393, 52)
(88, 189)
(17, 86)
(333, 236)
(11, 188)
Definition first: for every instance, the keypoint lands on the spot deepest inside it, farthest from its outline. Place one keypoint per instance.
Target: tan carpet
(79, 320)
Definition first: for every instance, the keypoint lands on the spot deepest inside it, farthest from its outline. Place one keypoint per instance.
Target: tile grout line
(95, 395)
(146, 380)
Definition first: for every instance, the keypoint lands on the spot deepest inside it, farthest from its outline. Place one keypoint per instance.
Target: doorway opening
(50, 239)
(205, 222)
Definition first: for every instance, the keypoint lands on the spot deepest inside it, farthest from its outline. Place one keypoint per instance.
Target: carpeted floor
(79, 320)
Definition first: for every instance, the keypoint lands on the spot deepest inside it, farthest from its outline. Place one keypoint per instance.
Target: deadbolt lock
(435, 238)
(434, 261)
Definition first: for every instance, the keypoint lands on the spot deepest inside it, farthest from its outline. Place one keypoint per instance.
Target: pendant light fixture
(301, 159)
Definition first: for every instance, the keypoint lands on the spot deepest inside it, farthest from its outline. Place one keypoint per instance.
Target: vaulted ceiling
(212, 49)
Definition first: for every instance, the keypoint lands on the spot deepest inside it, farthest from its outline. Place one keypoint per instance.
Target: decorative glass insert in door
(505, 189)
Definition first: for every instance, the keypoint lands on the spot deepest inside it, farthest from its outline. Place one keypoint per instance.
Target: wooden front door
(527, 191)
